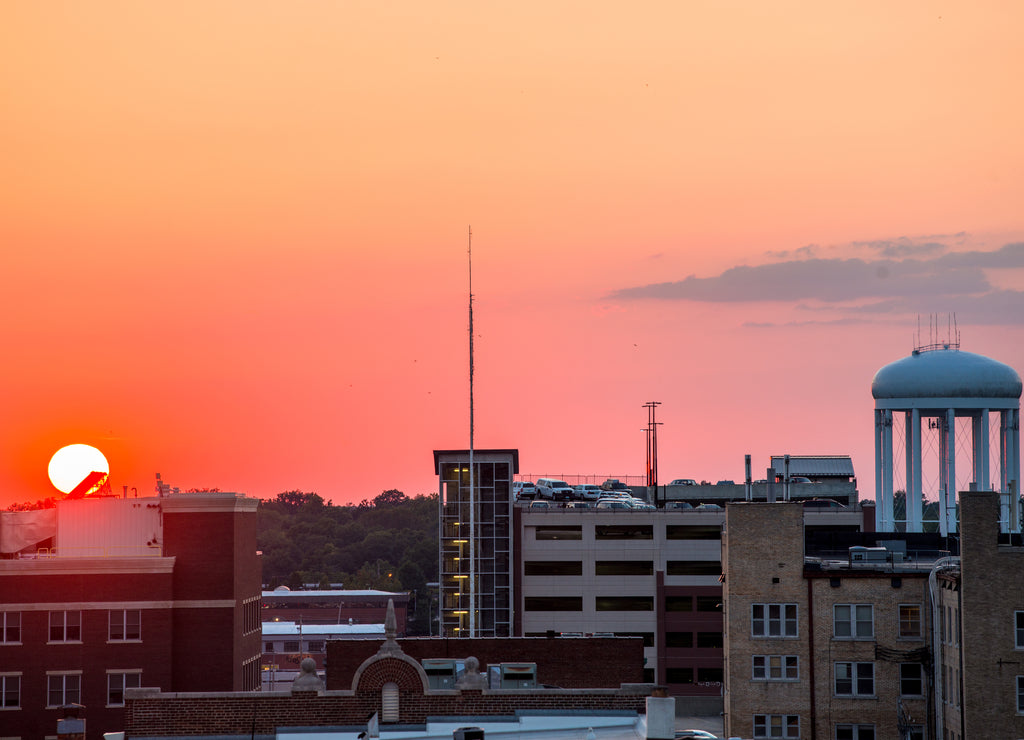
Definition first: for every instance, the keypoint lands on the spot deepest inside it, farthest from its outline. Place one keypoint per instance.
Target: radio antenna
(472, 484)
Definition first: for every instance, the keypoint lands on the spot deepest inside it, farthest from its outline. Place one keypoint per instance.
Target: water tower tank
(939, 407)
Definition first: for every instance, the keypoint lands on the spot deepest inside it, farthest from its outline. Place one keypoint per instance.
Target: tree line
(388, 543)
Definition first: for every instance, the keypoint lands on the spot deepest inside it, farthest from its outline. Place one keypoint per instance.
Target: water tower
(954, 419)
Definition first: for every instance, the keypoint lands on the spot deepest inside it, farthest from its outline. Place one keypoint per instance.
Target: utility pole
(652, 445)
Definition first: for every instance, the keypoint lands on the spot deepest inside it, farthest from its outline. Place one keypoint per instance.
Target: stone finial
(472, 678)
(308, 680)
(390, 645)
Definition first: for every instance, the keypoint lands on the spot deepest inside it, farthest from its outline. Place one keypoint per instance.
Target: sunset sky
(234, 233)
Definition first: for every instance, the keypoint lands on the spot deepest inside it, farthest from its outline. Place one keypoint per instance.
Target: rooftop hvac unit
(861, 554)
(441, 674)
(518, 675)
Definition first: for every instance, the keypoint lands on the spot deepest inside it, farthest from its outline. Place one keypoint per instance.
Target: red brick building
(389, 686)
(128, 592)
(563, 662)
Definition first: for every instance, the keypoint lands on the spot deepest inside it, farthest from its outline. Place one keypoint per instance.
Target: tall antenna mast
(472, 486)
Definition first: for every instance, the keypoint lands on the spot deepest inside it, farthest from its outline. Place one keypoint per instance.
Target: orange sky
(234, 233)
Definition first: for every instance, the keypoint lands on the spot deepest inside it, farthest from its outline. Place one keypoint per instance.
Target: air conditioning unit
(441, 673)
(518, 675)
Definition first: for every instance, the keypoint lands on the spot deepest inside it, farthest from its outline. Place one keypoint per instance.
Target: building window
(855, 679)
(116, 684)
(853, 621)
(567, 532)
(65, 626)
(1019, 631)
(10, 690)
(268, 647)
(291, 646)
(251, 615)
(708, 675)
(125, 625)
(63, 688)
(679, 675)
(680, 532)
(624, 532)
(316, 646)
(624, 603)
(1020, 694)
(679, 639)
(679, 603)
(709, 603)
(773, 620)
(554, 603)
(693, 568)
(624, 568)
(710, 640)
(910, 621)
(855, 732)
(776, 668)
(911, 679)
(10, 627)
(777, 725)
(553, 568)
(389, 702)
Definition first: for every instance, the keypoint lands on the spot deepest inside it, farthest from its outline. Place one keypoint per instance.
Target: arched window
(389, 702)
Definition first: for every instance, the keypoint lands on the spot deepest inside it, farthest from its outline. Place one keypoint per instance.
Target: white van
(554, 489)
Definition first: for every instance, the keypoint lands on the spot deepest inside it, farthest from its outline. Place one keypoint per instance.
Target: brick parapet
(150, 714)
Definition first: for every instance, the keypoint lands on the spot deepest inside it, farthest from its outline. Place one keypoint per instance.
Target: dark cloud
(829, 280)
(811, 250)
(833, 280)
(1008, 256)
(832, 322)
(998, 308)
(901, 248)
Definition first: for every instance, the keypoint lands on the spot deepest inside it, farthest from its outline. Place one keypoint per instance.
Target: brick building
(987, 633)
(392, 689)
(652, 574)
(127, 592)
(364, 606)
(563, 662)
(824, 645)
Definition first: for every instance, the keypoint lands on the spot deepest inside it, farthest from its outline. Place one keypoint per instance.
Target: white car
(554, 489)
(523, 489)
(614, 503)
(588, 492)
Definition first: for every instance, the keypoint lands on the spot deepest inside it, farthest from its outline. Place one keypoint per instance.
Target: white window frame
(120, 676)
(775, 668)
(63, 676)
(1020, 694)
(920, 622)
(855, 731)
(775, 620)
(788, 726)
(9, 623)
(920, 678)
(7, 681)
(117, 619)
(853, 671)
(70, 629)
(849, 621)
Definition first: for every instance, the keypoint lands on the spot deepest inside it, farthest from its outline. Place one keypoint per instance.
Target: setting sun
(72, 465)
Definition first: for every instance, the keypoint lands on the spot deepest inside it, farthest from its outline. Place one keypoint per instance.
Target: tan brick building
(989, 631)
(822, 647)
